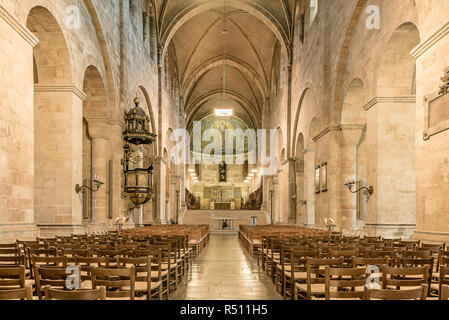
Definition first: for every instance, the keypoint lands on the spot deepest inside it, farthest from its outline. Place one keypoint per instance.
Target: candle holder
(97, 182)
(351, 183)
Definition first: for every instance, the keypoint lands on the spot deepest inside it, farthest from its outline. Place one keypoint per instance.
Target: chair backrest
(409, 294)
(316, 271)
(425, 254)
(9, 251)
(382, 254)
(12, 261)
(444, 292)
(344, 278)
(17, 294)
(9, 245)
(365, 262)
(123, 279)
(87, 263)
(12, 278)
(443, 279)
(50, 276)
(404, 277)
(345, 254)
(77, 295)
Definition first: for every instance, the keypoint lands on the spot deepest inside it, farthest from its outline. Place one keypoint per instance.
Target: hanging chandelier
(138, 182)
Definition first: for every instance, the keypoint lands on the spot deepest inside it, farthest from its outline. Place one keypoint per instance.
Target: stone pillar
(17, 203)
(99, 132)
(292, 191)
(158, 196)
(309, 163)
(275, 199)
(301, 208)
(390, 135)
(351, 135)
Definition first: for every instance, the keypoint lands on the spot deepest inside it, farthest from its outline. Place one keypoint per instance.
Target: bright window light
(254, 171)
(223, 112)
(191, 170)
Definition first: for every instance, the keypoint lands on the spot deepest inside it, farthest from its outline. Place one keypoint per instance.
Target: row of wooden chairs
(284, 257)
(123, 265)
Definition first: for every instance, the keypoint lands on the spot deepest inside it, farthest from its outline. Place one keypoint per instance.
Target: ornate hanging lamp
(138, 182)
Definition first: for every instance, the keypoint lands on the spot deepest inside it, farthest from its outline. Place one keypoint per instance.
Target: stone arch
(51, 54)
(198, 8)
(352, 110)
(392, 172)
(57, 105)
(113, 105)
(396, 74)
(342, 59)
(314, 129)
(95, 110)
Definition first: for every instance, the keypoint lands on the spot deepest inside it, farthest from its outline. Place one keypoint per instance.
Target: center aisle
(225, 271)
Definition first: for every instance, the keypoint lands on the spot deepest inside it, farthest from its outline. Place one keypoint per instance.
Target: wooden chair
(85, 266)
(77, 295)
(373, 267)
(285, 266)
(148, 279)
(17, 294)
(315, 286)
(168, 265)
(383, 294)
(54, 277)
(344, 283)
(443, 280)
(119, 283)
(445, 292)
(428, 261)
(12, 278)
(396, 278)
(38, 252)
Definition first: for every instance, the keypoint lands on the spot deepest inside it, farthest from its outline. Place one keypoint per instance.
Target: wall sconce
(351, 182)
(97, 182)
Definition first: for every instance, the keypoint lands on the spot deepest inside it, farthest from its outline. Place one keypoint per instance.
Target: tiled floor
(225, 271)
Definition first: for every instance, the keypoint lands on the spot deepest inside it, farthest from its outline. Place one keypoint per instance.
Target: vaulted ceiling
(195, 28)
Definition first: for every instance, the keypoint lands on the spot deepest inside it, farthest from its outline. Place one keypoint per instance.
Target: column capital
(351, 134)
(98, 129)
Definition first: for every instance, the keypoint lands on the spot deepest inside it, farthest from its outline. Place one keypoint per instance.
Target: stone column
(99, 132)
(309, 163)
(292, 191)
(351, 135)
(158, 196)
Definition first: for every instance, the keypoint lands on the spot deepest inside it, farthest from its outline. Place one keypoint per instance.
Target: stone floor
(225, 271)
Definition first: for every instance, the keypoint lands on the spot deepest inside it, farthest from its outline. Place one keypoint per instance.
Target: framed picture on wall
(324, 177)
(317, 179)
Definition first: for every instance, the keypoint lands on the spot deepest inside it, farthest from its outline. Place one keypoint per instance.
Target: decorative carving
(436, 117)
(445, 87)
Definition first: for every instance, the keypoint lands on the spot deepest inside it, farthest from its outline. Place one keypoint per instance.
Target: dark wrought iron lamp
(138, 182)
(352, 182)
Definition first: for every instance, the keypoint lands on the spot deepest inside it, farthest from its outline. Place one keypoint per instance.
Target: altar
(222, 205)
